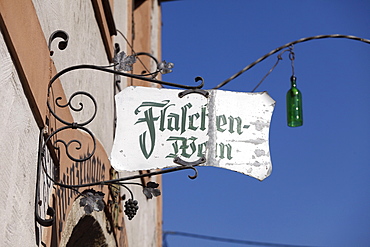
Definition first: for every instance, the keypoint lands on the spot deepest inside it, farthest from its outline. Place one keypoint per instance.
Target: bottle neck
(293, 81)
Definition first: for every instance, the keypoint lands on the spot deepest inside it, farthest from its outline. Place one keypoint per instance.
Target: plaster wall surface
(19, 134)
(121, 12)
(144, 228)
(155, 32)
(76, 215)
(85, 46)
(18, 158)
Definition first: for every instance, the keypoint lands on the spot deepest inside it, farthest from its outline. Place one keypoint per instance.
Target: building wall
(85, 47)
(143, 33)
(18, 155)
(24, 78)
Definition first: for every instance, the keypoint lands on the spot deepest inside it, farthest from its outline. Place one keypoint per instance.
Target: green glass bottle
(294, 105)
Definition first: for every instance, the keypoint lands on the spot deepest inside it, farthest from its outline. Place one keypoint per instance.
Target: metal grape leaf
(124, 62)
(92, 201)
(151, 190)
(165, 67)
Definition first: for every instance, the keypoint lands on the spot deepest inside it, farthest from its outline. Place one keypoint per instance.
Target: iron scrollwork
(62, 44)
(122, 63)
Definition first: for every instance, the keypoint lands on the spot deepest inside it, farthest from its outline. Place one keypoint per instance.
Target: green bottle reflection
(294, 105)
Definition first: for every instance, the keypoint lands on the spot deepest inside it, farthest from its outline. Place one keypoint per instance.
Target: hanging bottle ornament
(294, 105)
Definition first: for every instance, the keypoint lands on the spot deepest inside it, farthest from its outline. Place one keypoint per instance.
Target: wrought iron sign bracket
(122, 63)
(195, 90)
(92, 200)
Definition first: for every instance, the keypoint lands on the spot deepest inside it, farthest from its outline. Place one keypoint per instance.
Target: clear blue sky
(319, 191)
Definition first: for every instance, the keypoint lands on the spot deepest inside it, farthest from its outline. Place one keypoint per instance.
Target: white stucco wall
(121, 14)
(18, 158)
(85, 47)
(142, 230)
(19, 132)
(77, 213)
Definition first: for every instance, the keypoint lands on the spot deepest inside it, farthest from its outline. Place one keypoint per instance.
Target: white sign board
(230, 129)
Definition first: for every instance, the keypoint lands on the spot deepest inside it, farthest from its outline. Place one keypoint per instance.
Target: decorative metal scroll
(92, 200)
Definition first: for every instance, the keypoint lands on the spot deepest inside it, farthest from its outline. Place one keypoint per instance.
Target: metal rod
(285, 46)
(94, 67)
(50, 211)
(113, 181)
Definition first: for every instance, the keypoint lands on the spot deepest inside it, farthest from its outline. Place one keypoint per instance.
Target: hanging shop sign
(229, 129)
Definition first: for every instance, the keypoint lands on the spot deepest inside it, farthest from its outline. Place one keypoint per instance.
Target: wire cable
(132, 49)
(279, 58)
(226, 240)
(287, 45)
